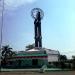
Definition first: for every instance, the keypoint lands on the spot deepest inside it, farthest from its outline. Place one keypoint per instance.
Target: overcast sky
(58, 25)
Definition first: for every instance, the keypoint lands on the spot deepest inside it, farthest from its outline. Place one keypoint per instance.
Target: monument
(36, 57)
(37, 14)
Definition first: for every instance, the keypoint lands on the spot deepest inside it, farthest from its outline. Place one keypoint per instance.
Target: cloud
(13, 4)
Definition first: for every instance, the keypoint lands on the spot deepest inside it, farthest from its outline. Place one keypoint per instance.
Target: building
(53, 55)
(31, 58)
(34, 58)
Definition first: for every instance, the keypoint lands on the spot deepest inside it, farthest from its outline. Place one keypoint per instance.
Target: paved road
(37, 73)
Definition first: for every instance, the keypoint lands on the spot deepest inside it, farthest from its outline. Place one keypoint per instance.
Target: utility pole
(1, 26)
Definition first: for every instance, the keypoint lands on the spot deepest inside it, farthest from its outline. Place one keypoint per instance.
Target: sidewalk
(33, 70)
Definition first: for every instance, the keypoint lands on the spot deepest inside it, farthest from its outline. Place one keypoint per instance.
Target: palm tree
(6, 53)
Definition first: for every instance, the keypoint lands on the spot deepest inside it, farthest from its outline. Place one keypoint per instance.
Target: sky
(58, 25)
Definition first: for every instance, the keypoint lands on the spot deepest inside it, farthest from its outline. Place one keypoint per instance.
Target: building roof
(52, 52)
(32, 52)
(37, 52)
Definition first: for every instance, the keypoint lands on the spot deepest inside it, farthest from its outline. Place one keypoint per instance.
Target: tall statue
(37, 14)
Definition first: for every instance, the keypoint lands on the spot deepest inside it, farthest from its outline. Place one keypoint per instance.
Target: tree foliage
(31, 46)
(63, 57)
(73, 57)
(6, 53)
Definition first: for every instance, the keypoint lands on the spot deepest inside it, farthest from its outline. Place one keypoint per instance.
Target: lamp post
(2, 14)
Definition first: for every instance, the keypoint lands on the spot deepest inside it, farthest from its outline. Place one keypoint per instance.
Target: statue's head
(37, 13)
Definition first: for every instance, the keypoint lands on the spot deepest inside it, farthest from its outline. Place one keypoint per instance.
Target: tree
(73, 62)
(62, 58)
(6, 53)
(73, 57)
(31, 46)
